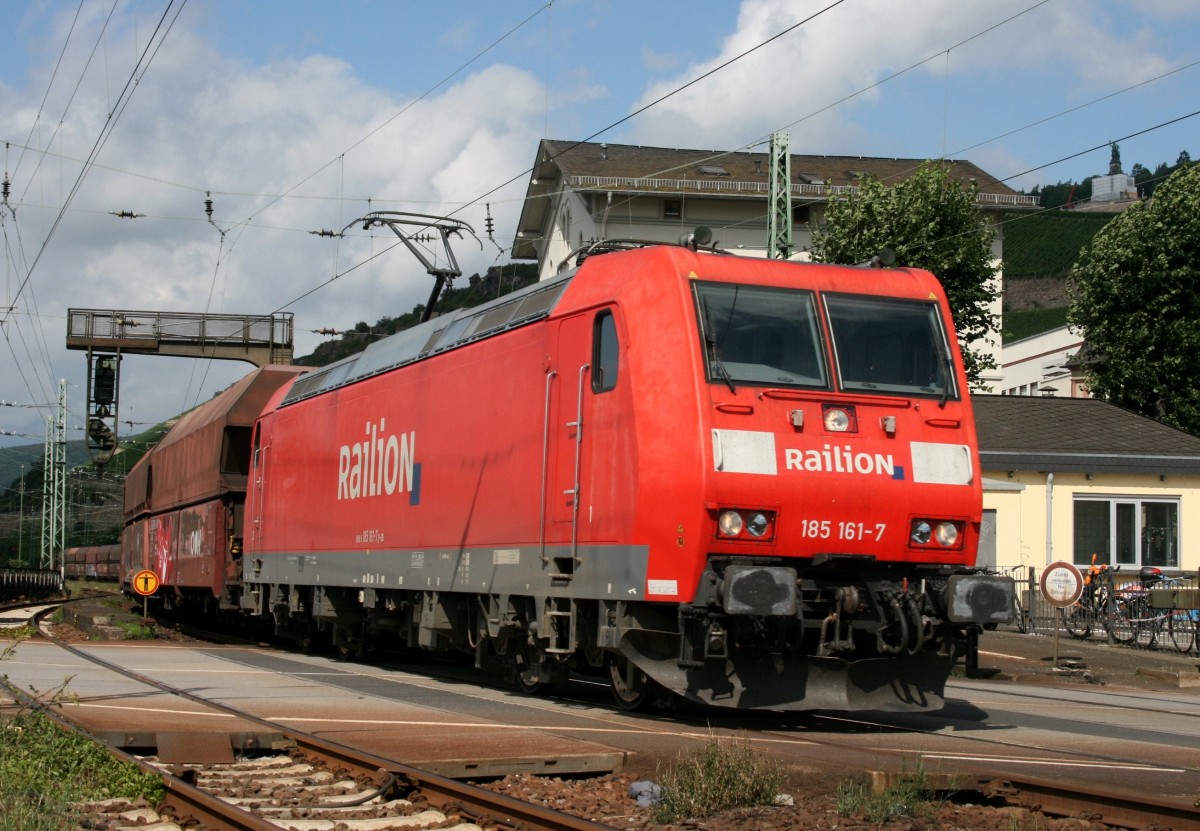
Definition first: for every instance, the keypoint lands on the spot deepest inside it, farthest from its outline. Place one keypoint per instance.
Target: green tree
(931, 222)
(1135, 297)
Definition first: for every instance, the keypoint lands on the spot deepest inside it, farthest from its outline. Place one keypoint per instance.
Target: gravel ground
(1004, 656)
(814, 805)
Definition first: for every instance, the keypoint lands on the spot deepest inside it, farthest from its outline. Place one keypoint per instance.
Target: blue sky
(425, 107)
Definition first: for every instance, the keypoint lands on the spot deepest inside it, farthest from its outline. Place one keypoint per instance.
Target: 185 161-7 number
(824, 529)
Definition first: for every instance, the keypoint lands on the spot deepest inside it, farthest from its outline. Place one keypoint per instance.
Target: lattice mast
(779, 198)
(54, 484)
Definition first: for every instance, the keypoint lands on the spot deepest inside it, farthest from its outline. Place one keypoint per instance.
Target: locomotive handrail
(583, 371)
(550, 376)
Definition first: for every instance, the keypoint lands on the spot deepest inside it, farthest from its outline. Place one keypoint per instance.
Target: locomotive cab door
(581, 416)
(256, 496)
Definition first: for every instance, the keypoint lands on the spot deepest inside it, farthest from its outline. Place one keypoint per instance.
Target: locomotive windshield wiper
(711, 343)
(944, 360)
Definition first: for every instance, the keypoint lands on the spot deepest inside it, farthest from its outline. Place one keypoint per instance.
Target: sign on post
(145, 583)
(1062, 586)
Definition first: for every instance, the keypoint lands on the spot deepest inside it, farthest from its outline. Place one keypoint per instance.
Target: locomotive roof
(462, 326)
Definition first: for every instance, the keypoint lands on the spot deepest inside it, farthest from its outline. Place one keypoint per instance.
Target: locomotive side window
(760, 336)
(890, 345)
(605, 354)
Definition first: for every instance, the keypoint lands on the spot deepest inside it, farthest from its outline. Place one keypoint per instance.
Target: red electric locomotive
(753, 483)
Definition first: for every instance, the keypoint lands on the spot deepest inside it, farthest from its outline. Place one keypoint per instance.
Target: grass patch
(137, 631)
(44, 770)
(912, 796)
(20, 633)
(724, 773)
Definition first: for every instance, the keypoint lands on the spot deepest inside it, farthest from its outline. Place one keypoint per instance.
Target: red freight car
(93, 562)
(753, 483)
(184, 499)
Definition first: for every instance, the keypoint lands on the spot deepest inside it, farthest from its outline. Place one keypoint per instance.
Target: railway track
(341, 774)
(314, 786)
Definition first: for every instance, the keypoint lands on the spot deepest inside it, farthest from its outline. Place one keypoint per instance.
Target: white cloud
(200, 120)
(1071, 52)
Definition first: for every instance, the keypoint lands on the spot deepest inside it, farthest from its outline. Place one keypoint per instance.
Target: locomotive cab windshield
(764, 336)
(889, 344)
(761, 336)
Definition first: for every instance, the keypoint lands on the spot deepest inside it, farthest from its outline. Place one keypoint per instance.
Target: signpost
(145, 583)
(1062, 585)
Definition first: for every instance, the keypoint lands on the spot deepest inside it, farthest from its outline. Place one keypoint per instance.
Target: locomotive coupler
(846, 603)
(899, 621)
(701, 637)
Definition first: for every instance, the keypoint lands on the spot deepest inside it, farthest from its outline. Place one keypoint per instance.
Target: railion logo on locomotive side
(382, 464)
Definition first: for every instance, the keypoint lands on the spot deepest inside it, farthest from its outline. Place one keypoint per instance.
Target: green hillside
(1018, 325)
(1047, 244)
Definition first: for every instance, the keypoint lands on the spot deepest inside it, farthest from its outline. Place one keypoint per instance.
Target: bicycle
(1099, 606)
(1135, 613)
(1019, 614)
(1155, 623)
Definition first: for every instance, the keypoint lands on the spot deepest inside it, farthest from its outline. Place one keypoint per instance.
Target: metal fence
(1164, 608)
(28, 583)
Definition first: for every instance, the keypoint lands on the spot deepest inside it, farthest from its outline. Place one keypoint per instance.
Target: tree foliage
(1135, 297)
(931, 222)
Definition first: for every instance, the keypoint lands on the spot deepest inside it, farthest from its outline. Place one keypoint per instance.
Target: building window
(672, 208)
(800, 214)
(1127, 531)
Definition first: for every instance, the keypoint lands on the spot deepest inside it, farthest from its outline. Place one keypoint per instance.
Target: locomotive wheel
(528, 677)
(348, 647)
(630, 686)
(312, 641)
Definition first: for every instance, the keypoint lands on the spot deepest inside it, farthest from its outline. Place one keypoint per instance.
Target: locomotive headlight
(836, 421)
(947, 534)
(758, 524)
(745, 525)
(921, 532)
(730, 523)
(840, 418)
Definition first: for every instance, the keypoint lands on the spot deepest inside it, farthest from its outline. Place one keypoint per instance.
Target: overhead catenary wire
(110, 123)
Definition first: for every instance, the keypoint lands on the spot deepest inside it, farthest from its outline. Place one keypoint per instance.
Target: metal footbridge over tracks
(108, 334)
(258, 339)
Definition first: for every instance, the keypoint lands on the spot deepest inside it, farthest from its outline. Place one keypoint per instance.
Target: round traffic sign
(1062, 584)
(145, 582)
